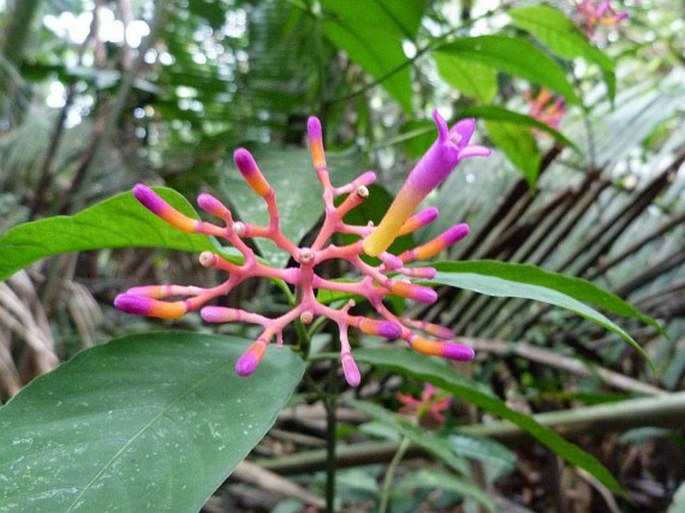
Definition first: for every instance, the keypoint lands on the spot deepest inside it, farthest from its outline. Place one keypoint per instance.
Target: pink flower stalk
(593, 13)
(546, 107)
(451, 147)
(429, 409)
(390, 276)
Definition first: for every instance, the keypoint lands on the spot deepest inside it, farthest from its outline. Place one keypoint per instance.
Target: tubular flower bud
(448, 350)
(219, 314)
(149, 307)
(450, 147)
(251, 358)
(385, 329)
(248, 168)
(151, 200)
(441, 242)
(412, 291)
(306, 262)
(350, 370)
(315, 137)
(419, 220)
(213, 206)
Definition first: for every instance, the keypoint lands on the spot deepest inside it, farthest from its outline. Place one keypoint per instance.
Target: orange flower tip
(458, 352)
(250, 359)
(314, 128)
(362, 192)
(211, 205)
(149, 199)
(350, 370)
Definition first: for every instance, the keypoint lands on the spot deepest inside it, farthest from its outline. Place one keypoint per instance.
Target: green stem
(331, 403)
(390, 473)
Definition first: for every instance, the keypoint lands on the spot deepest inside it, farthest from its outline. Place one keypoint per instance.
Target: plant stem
(331, 403)
(390, 473)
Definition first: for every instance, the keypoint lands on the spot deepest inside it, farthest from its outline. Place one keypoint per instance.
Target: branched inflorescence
(593, 13)
(546, 107)
(390, 276)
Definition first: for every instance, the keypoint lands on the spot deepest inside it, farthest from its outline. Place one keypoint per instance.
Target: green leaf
(529, 282)
(418, 436)
(432, 479)
(290, 173)
(552, 28)
(150, 422)
(471, 78)
(494, 113)
(517, 57)
(372, 34)
(518, 143)
(442, 375)
(117, 222)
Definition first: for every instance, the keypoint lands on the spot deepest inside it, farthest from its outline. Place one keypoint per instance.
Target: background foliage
(96, 96)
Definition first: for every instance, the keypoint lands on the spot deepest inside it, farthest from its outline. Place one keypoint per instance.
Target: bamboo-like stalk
(663, 411)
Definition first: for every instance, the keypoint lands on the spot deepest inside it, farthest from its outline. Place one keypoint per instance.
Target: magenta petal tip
(132, 304)
(458, 352)
(425, 295)
(314, 128)
(389, 329)
(244, 160)
(246, 364)
(148, 198)
(350, 370)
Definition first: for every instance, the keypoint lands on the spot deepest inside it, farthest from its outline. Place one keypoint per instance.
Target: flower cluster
(428, 410)
(546, 107)
(390, 276)
(593, 13)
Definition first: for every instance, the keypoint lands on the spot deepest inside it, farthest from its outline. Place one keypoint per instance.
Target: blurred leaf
(415, 137)
(432, 479)
(494, 113)
(117, 222)
(504, 279)
(496, 458)
(471, 78)
(517, 57)
(372, 34)
(442, 375)
(152, 422)
(518, 143)
(678, 504)
(418, 436)
(551, 27)
(290, 173)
